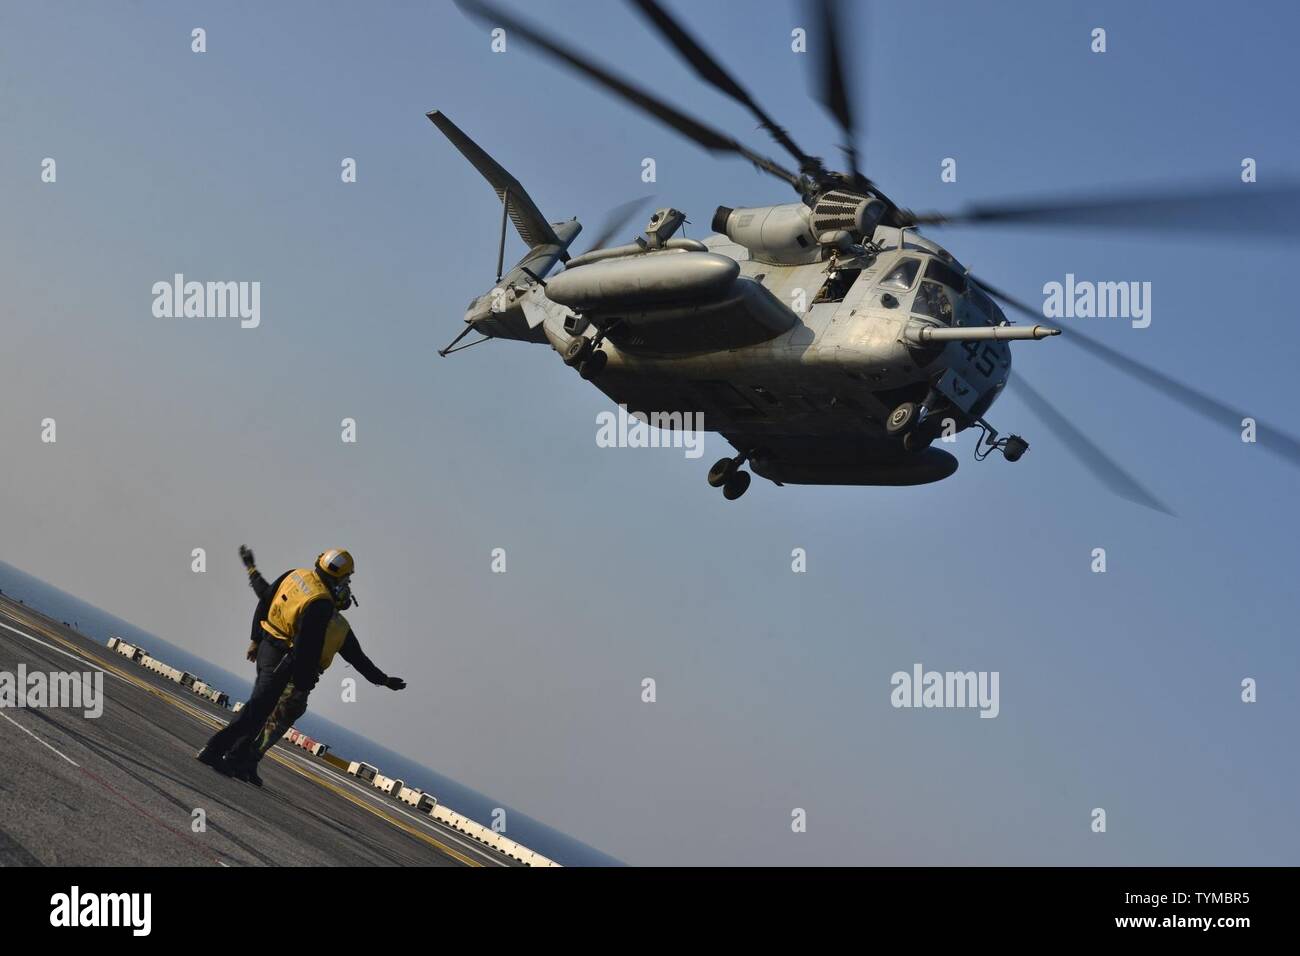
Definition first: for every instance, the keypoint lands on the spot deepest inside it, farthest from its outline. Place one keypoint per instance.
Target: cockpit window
(934, 301)
(945, 275)
(902, 275)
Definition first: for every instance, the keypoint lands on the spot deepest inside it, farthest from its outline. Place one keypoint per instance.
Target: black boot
(213, 759)
(248, 774)
(243, 766)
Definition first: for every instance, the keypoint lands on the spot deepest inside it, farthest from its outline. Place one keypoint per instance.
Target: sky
(1119, 690)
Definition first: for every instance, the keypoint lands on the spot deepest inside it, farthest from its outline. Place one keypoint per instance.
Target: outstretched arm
(352, 653)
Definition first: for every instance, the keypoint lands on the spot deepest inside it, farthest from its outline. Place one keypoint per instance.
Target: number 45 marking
(983, 356)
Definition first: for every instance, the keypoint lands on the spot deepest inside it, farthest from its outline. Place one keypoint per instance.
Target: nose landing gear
(917, 425)
(901, 419)
(726, 474)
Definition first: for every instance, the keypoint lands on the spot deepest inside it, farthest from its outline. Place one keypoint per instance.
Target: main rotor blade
(712, 72)
(1017, 304)
(1211, 409)
(1245, 208)
(833, 85)
(701, 133)
(1085, 450)
(615, 220)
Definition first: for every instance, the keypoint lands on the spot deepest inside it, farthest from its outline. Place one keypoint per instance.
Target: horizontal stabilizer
(531, 225)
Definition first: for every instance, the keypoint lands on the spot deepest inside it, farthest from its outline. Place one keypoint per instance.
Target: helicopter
(826, 339)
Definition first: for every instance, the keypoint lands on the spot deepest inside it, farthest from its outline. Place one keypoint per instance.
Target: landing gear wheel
(576, 352)
(594, 365)
(736, 485)
(722, 470)
(901, 419)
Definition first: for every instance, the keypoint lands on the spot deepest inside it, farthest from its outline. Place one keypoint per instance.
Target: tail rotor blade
(1102, 466)
(616, 219)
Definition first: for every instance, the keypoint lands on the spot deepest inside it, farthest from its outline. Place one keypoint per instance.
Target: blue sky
(1118, 690)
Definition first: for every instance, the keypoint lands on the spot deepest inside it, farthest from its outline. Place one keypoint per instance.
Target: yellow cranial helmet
(336, 563)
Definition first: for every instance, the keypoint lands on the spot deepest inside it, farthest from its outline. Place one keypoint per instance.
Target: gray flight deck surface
(121, 790)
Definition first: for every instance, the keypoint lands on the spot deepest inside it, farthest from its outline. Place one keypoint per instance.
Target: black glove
(395, 683)
(246, 555)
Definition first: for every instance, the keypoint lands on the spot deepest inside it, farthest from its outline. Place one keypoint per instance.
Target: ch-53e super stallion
(826, 339)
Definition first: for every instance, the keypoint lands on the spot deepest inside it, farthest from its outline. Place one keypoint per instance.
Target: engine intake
(840, 210)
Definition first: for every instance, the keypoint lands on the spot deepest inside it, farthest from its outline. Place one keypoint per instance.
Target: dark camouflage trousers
(288, 709)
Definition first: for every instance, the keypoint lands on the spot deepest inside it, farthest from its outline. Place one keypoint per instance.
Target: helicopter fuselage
(798, 365)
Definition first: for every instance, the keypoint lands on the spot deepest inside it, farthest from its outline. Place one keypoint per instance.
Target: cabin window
(837, 285)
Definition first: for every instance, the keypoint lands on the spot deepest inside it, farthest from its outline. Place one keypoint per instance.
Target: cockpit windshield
(944, 274)
(902, 275)
(934, 301)
(938, 296)
(945, 289)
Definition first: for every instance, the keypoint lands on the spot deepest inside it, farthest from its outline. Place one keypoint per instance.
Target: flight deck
(124, 789)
